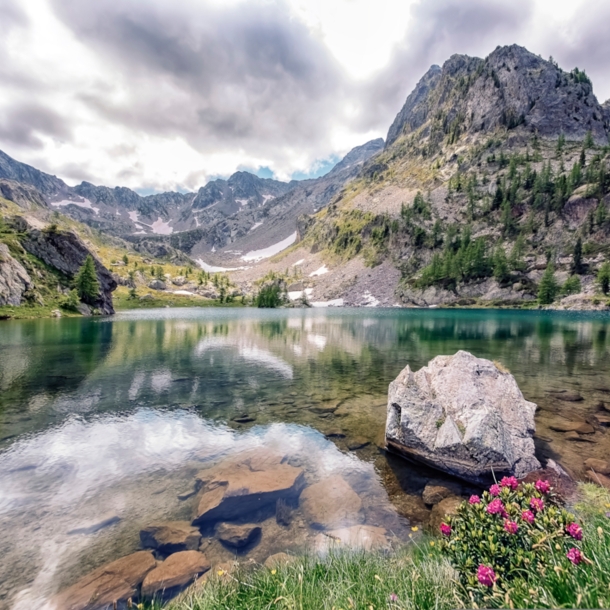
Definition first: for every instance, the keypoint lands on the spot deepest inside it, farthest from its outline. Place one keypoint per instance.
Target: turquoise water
(110, 418)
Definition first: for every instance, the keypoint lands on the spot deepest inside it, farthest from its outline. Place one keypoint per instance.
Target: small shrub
(512, 530)
(571, 286)
(71, 301)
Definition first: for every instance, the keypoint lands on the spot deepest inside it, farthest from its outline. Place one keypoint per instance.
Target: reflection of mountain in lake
(105, 418)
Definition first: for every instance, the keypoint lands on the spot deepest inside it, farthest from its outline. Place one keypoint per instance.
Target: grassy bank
(417, 576)
(160, 298)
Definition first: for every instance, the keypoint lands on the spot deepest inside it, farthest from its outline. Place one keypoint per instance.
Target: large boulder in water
(464, 416)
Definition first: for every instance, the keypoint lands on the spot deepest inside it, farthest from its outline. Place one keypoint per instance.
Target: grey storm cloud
(24, 123)
(247, 74)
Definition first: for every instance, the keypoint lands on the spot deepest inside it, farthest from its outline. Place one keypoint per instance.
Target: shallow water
(110, 419)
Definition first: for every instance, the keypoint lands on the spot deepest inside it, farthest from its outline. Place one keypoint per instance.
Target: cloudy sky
(166, 94)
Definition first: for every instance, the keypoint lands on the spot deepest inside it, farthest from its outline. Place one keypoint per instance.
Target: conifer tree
(547, 291)
(86, 282)
(501, 270)
(603, 278)
(577, 257)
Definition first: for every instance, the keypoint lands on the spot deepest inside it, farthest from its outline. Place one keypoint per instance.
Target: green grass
(342, 580)
(418, 575)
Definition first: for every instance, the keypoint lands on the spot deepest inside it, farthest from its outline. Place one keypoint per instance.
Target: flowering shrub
(509, 530)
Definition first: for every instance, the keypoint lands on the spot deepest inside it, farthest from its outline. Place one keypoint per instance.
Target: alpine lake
(105, 422)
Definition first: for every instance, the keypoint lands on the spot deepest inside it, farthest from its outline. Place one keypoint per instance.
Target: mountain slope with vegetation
(493, 171)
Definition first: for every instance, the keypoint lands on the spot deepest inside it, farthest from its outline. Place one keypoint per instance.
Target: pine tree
(86, 282)
(125, 259)
(500, 266)
(589, 140)
(547, 291)
(577, 257)
(603, 278)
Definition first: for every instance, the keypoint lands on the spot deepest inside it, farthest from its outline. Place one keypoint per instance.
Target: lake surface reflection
(104, 423)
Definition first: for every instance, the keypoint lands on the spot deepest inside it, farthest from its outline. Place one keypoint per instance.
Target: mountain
(492, 169)
(511, 88)
(218, 216)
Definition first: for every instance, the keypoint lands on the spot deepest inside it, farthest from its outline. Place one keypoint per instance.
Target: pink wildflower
(574, 555)
(510, 526)
(445, 529)
(486, 575)
(393, 597)
(537, 504)
(509, 482)
(474, 500)
(575, 531)
(528, 515)
(543, 486)
(494, 490)
(495, 507)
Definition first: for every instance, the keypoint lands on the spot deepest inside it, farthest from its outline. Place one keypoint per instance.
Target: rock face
(171, 537)
(174, 574)
(115, 582)
(462, 415)
(14, 279)
(236, 488)
(511, 88)
(331, 503)
(65, 251)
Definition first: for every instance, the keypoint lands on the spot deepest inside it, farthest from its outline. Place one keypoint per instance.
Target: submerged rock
(462, 415)
(237, 536)
(331, 503)
(115, 582)
(174, 574)
(442, 510)
(599, 466)
(364, 537)
(235, 489)
(171, 537)
(435, 491)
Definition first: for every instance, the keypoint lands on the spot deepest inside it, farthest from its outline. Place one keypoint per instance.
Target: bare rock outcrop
(65, 251)
(464, 416)
(14, 279)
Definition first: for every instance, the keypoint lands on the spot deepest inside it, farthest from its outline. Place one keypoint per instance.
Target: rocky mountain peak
(510, 89)
(358, 155)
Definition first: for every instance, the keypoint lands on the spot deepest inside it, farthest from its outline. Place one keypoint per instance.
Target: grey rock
(84, 309)
(157, 285)
(14, 279)
(511, 88)
(435, 491)
(66, 252)
(462, 415)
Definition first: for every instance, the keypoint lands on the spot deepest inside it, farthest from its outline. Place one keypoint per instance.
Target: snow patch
(321, 271)
(242, 202)
(298, 294)
(86, 204)
(184, 292)
(370, 300)
(331, 303)
(161, 228)
(138, 226)
(213, 269)
(140, 233)
(257, 255)
(256, 225)
(298, 262)
(133, 216)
